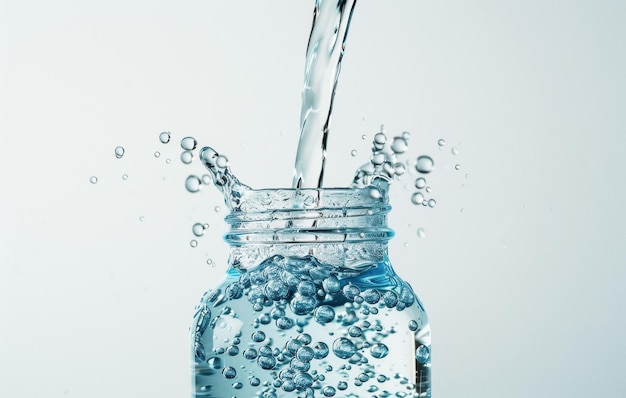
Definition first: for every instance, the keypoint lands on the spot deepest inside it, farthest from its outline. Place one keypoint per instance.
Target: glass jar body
(317, 318)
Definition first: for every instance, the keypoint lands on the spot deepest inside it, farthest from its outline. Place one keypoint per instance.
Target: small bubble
(342, 385)
(124, 176)
(141, 218)
(229, 372)
(420, 183)
(193, 243)
(466, 175)
(206, 179)
(217, 209)
(188, 143)
(168, 160)
(429, 189)
(417, 198)
(432, 202)
(93, 179)
(455, 150)
(119, 152)
(406, 135)
(209, 261)
(186, 157)
(354, 152)
(425, 164)
(164, 137)
(344, 348)
(421, 232)
(193, 183)
(462, 210)
(413, 325)
(198, 228)
(422, 354)
(364, 137)
(157, 154)
(441, 142)
(374, 192)
(380, 138)
(457, 167)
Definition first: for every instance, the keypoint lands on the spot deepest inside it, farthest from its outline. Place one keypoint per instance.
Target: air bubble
(258, 336)
(422, 354)
(328, 391)
(164, 137)
(324, 314)
(193, 183)
(455, 150)
(406, 135)
(379, 350)
(320, 350)
(432, 202)
(342, 385)
(124, 176)
(266, 362)
(119, 152)
(364, 137)
(157, 154)
(429, 189)
(413, 325)
(198, 228)
(188, 143)
(186, 157)
(421, 232)
(206, 179)
(229, 372)
(466, 175)
(221, 161)
(354, 152)
(441, 142)
(93, 179)
(420, 183)
(141, 218)
(344, 348)
(380, 138)
(374, 193)
(193, 243)
(457, 167)
(425, 164)
(217, 209)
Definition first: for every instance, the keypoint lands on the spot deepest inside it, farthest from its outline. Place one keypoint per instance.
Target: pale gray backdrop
(525, 287)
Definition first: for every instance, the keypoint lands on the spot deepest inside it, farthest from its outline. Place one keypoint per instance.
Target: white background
(525, 288)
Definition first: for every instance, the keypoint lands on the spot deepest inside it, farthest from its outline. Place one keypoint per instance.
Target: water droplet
(421, 232)
(425, 164)
(399, 145)
(432, 202)
(193, 184)
(124, 176)
(344, 348)
(164, 137)
(455, 150)
(141, 218)
(193, 243)
(258, 336)
(417, 198)
(328, 391)
(188, 143)
(420, 183)
(119, 152)
(413, 325)
(198, 229)
(93, 179)
(457, 167)
(342, 385)
(186, 157)
(157, 154)
(254, 381)
(441, 142)
(354, 152)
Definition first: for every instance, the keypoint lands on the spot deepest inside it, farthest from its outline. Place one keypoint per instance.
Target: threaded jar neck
(343, 226)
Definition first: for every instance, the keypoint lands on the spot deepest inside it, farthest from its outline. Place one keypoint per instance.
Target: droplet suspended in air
(198, 228)
(186, 157)
(164, 137)
(193, 184)
(417, 198)
(93, 179)
(441, 143)
(119, 152)
(425, 164)
(188, 143)
(420, 183)
(421, 232)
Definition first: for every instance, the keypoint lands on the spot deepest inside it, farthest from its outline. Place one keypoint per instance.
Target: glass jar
(310, 305)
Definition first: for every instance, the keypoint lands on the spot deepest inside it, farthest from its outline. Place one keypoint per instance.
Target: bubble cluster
(285, 296)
